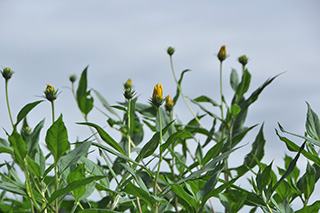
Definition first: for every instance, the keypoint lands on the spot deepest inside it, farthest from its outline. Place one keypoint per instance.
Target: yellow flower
(157, 96)
(157, 92)
(169, 103)
(222, 55)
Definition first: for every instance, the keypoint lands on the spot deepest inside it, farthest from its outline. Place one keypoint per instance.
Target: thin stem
(56, 187)
(74, 206)
(52, 109)
(129, 128)
(8, 105)
(183, 97)
(160, 159)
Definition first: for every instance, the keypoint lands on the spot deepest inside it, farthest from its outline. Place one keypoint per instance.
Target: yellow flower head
(49, 88)
(157, 96)
(157, 92)
(169, 101)
(222, 55)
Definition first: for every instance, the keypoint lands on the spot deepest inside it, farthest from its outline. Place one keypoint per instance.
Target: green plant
(138, 174)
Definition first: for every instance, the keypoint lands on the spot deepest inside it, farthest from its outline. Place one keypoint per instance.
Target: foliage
(167, 174)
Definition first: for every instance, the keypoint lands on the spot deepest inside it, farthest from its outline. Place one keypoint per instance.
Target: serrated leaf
(18, 145)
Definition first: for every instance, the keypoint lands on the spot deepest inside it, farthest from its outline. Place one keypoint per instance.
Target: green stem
(129, 128)
(160, 159)
(74, 206)
(52, 109)
(183, 97)
(56, 187)
(8, 105)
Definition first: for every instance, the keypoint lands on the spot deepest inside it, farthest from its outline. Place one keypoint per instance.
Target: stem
(129, 129)
(8, 105)
(74, 206)
(183, 97)
(160, 159)
(56, 187)
(52, 109)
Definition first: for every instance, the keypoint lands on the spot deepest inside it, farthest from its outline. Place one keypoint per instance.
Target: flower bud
(222, 55)
(50, 93)
(243, 60)
(128, 91)
(7, 73)
(73, 78)
(157, 96)
(128, 84)
(169, 103)
(170, 51)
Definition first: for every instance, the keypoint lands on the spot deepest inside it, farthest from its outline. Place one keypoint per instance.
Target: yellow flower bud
(50, 93)
(222, 55)
(169, 103)
(243, 60)
(128, 84)
(157, 96)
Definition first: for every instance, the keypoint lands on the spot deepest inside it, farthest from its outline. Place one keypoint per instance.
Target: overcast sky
(46, 41)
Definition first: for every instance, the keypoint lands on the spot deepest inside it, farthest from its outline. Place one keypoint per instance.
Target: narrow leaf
(25, 110)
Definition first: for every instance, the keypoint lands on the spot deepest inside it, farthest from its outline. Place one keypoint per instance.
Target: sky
(46, 41)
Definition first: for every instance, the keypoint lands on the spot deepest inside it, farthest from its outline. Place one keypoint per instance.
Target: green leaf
(57, 139)
(315, 207)
(142, 194)
(206, 99)
(263, 178)
(18, 145)
(33, 140)
(5, 147)
(72, 157)
(175, 99)
(244, 84)
(234, 79)
(77, 174)
(34, 167)
(235, 109)
(315, 142)
(105, 137)
(295, 148)
(174, 137)
(180, 192)
(208, 190)
(6, 186)
(84, 100)
(122, 156)
(25, 110)
(257, 152)
(149, 148)
(72, 186)
(199, 154)
(290, 168)
(106, 104)
(313, 124)
(212, 153)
